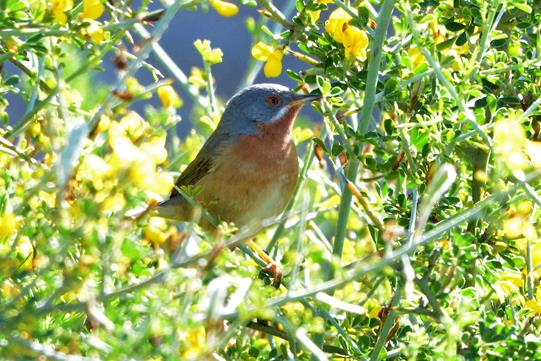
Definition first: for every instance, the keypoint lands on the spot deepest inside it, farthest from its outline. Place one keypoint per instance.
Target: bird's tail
(176, 208)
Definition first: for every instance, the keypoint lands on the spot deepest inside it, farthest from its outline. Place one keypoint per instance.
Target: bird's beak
(300, 99)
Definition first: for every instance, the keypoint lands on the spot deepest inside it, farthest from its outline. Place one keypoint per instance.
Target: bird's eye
(274, 100)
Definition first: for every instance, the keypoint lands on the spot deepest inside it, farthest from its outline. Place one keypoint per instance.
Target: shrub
(413, 232)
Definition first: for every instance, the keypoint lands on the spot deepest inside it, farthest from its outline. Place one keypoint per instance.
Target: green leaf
(454, 26)
(323, 85)
(12, 80)
(523, 7)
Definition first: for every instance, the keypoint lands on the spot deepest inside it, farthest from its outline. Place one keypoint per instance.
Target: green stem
(376, 51)
(210, 89)
(276, 14)
(343, 212)
(387, 325)
(374, 62)
(487, 28)
(532, 108)
(527, 65)
(169, 64)
(376, 46)
(529, 263)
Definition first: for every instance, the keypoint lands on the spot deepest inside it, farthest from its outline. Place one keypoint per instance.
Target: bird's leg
(273, 268)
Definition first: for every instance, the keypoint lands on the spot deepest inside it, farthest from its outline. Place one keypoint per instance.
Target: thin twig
(276, 14)
(388, 324)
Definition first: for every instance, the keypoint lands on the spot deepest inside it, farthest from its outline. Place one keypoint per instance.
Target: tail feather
(176, 208)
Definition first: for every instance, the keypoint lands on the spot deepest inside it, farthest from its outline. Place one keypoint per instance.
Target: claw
(272, 267)
(274, 270)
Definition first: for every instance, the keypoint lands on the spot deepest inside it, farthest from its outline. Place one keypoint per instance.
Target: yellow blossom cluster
(59, 9)
(92, 10)
(137, 152)
(140, 156)
(210, 55)
(271, 56)
(197, 78)
(512, 146)
(157, 231)
(519, 227)
(355, 40)
(94, 31)
(169, 97)
(8, 224)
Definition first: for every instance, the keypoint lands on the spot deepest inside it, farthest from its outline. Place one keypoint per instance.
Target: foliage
(413, 233)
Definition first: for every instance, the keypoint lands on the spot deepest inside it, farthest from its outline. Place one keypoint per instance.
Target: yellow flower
(155, 149)
(355, 40)
(195, 342)
(94, 169)
(271, 56)
(518, 224)
(533, 149)
(509, 282)
(59, 8)
(114, 203)
(338, 23)
(416, 57)
(213, 56)
(438, 31)
(144, 176)
(95, 32)
(355, 43)
(103, 124)
(48, 198)
(509, 141)
(133, 86)
(155, 230)
(314, 15)
(224, 8)
(139, 154)
(123, 147)
(92, 9)
(8, 225)
(197, 78)
(169, 97)
(534, 305)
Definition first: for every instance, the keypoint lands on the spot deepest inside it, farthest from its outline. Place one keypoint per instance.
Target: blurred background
(228, 34)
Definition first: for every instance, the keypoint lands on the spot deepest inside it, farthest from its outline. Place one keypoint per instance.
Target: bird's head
(262, 105)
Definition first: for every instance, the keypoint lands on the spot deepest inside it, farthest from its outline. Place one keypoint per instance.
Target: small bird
(247, 169)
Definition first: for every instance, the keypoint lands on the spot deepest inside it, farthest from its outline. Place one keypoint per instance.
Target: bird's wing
(203, 163)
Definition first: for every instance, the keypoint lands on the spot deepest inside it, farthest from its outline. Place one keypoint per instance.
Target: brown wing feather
(193, 173)
(202, 164)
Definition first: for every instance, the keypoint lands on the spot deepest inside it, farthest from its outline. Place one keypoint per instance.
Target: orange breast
(253, 180)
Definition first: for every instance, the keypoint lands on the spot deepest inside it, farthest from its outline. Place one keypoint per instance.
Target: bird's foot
(274, 270)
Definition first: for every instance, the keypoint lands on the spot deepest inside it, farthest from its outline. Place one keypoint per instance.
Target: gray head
(259, 103)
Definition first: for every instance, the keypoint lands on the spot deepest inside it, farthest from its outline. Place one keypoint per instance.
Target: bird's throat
(279, 130)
